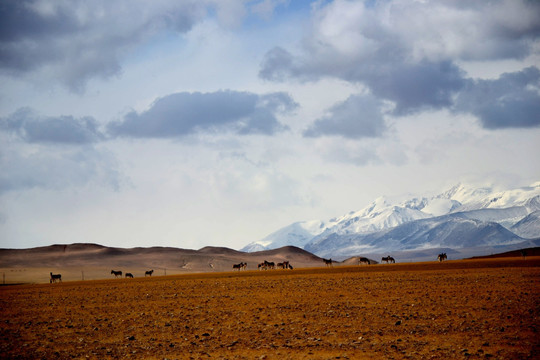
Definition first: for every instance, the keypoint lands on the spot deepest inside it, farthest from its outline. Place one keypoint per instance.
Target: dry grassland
(457, 309)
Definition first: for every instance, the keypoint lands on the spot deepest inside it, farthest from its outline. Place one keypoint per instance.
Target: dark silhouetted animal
(116, 273)
(55, 277)
(441, 257)
(328, 262)
(363, 260)
(129, 275)
(149, 272)
(388, 259)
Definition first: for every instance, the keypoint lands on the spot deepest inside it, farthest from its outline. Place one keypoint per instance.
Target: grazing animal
(149, 272)
(269, 264)
(364, 260)
(55, 277)
(284, 265)
(328, 262)
(116, 273)
(241, 266)
(388, 259)
(261, 266)
(129, 275)
(441, 257)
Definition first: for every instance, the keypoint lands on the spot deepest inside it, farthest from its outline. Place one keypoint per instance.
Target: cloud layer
(187, 113)
(32, 128)
(136, 123)
(408, 53)
(76, 41)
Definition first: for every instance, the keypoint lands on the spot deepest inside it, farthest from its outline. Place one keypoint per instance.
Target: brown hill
(535, 251)
(92, 261)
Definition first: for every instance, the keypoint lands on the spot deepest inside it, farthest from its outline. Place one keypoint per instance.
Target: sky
(199, 123)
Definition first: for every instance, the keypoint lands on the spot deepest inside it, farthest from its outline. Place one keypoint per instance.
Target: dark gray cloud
(57, 168)
(32, 128)
(78, 41)
(413, 87)
(357, 117)
(187, 113)
(512, 100)
(407, 53)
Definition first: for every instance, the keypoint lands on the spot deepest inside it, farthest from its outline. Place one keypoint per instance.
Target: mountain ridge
(481, 215)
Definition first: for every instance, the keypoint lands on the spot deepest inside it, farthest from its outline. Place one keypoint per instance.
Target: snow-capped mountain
(461, 217)
(297, 234)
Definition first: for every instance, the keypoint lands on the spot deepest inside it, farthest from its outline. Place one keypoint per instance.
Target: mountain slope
(528, 226)
(462, 216)
(451, 231)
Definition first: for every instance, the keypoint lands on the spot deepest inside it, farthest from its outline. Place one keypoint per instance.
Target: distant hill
(535, 251)
(205, 259)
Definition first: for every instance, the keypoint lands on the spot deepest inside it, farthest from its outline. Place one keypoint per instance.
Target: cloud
(407, 52)
(32, 128)
(414, 87)
(265, 8)
(358, 116)
(77, 41)
(57, 168)
(512, 100)
(185, 113)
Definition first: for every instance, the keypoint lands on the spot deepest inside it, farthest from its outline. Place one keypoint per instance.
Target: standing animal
(237, 266)
(116, 273)
(149, 272)
(388, 259)
(129, 275)
(55, 277)
(328, 262)
(441, 257)
(363, 260)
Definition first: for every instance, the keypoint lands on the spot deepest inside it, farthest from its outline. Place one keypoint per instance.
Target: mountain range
(464, 221)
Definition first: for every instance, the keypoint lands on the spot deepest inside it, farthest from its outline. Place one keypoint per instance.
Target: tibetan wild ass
(328, 262)
(55, 277)
(364, 260)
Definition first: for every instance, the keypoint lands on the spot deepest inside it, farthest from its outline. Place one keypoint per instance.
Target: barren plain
(473, 309)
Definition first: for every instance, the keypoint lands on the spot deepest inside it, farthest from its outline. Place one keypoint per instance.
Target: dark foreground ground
(471, 309)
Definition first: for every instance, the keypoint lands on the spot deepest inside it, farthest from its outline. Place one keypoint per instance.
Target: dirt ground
(471, 309)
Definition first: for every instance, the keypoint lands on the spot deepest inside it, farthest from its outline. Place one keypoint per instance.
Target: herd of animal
(130, 275)
(58, 277)
(265, 265)
(270, 265)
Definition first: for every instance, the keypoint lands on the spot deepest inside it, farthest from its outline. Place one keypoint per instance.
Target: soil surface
(468, 309)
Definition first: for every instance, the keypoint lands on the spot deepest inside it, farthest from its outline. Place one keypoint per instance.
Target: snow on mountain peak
(480, 204)
(465, 194)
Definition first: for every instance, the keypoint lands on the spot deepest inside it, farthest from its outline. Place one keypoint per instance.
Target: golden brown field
(470, 309)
